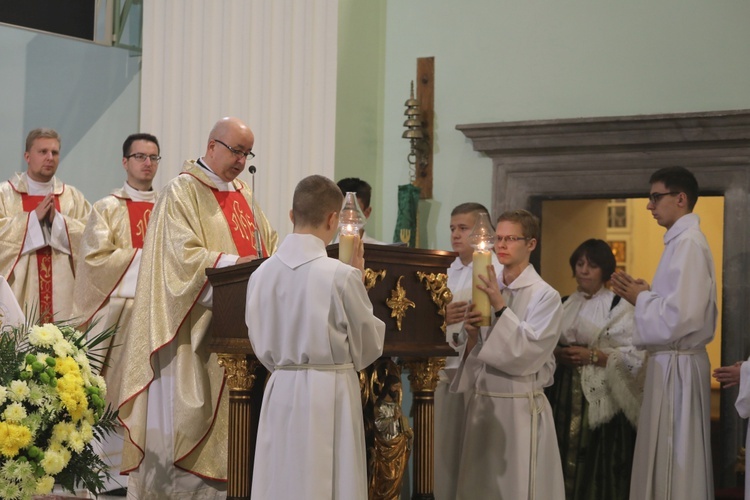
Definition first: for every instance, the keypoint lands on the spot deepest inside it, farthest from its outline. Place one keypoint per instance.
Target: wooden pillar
(423, 379)
(240, 376)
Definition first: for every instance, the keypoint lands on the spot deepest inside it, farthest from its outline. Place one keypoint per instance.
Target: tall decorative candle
(480, 259)
(482, 239)
(351, 221)
(346, 247)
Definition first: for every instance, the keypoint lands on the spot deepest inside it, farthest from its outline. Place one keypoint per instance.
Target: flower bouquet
(51, 409)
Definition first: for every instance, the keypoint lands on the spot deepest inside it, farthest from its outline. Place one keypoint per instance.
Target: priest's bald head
(230, 145)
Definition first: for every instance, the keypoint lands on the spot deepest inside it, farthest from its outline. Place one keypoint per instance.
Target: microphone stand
(256, 233)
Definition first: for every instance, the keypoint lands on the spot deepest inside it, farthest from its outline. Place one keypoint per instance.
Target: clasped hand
(627, 287)
(46, 209)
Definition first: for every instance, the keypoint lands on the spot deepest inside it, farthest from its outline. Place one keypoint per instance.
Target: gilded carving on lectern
(388, 433)
(371, 277)
(423, 373)
(437, 285)
(399, 303)
(239, 371)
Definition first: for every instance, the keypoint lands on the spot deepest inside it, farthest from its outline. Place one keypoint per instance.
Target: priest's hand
(46, 209)
(627, 287)
(246, 258)
(728, 376)
(455, 312)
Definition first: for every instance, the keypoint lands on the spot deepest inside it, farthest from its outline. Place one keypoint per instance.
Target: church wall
(88, 93)
(502, 61)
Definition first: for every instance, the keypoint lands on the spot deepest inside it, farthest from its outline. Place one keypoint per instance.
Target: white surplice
(674, 322)
(450, 407)
(743, 407)
(509, 447)
(11, 314)
(311, 324)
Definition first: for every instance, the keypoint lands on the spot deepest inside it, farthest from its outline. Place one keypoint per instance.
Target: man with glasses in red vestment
(173, 402)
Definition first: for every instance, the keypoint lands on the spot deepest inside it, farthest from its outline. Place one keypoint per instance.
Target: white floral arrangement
(52, 408)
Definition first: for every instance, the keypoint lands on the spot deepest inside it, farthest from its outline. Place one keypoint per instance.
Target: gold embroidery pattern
(44, 266)
(142, 224)
(243, 223)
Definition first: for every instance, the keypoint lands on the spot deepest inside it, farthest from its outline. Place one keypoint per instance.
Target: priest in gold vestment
(173, 402)
(107, 271)
(41, 222)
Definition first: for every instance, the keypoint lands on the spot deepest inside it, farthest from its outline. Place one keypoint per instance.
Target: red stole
(139, 213)
(241, 221)
(43, 262)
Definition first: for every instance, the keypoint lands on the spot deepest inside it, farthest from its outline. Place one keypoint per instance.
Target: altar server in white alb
(107, 270)
(730, 376)
(450, 408)
(509, 444)
(675, 319)
(311, 324)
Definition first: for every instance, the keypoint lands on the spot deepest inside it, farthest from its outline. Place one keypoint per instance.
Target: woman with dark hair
(598, 385)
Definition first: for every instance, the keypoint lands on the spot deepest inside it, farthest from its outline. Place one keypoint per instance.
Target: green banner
(406, 220)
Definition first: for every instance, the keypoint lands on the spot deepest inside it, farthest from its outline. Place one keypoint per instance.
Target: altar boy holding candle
(311, 324)
(450, 408)
(509, 445)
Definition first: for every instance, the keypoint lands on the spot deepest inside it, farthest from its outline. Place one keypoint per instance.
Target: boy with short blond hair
(509, 446)
(311, 324)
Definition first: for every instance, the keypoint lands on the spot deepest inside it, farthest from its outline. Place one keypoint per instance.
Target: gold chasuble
(188, 232)
(113, 234)
(42, 279)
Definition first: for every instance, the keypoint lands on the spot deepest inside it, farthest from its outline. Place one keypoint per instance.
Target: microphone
(258, 242)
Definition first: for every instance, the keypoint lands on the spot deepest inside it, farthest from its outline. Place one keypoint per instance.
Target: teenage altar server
(450, 408)
(509, 445)
(675, 319)
(311, 324)
(173, 402)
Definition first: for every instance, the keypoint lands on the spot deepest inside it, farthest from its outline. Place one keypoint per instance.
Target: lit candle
(347, 242)
(481, 258)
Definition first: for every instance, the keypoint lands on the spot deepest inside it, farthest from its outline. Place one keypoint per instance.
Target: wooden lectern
(409, 292)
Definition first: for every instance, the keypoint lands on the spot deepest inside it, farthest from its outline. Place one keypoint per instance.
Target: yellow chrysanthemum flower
(53, 462)
(61, 432)
(15, 412)
(44, 485)
(65, 365)
(72, 395)
(13, 438)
